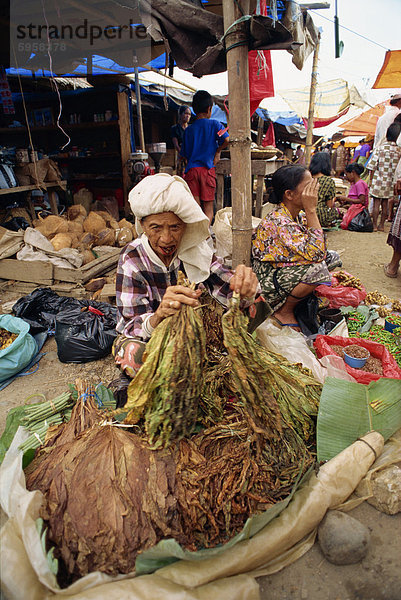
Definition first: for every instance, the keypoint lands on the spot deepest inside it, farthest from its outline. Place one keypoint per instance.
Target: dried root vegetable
(347, 280)
(167, 387)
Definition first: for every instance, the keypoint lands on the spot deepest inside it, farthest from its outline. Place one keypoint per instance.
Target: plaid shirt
(142, 280)
(384, 162)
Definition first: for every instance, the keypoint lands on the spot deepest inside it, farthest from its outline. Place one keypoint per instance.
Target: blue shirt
(201, 142)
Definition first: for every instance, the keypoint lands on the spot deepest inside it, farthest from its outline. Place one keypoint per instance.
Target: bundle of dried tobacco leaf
(167, 387)
(108, 496)
(260, 374)
(224, 477)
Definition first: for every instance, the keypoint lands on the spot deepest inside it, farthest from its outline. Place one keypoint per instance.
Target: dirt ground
(378, 576)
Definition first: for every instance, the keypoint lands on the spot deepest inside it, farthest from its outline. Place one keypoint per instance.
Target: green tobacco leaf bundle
(260, 373)
(167, 387)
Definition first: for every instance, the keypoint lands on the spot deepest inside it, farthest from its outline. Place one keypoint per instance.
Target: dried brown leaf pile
(110, 496)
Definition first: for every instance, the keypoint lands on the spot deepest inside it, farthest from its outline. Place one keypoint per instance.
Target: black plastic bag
(306, 315)
(16, 223)
(81, 333)
(85, 333)
(362, 222)
(40, 308)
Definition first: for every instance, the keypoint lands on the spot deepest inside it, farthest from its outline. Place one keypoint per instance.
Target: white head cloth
(166, 193)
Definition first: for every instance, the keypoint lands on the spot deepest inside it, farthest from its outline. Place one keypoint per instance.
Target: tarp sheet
(193, 36)
(389, 75)
(229, 576)
(365, 123)
(282, 118)
(331, 102)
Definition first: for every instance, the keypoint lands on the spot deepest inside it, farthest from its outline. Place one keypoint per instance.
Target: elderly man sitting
(174, 237)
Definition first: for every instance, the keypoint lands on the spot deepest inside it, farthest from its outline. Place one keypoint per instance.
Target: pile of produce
(355, 320)
(383, 304)
(346, 280)
(6, 338)
(392, 341)
(84, 231)
(216, 430)
(372, 365)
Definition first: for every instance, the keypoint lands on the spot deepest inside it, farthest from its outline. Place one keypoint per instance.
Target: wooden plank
(219, 192)
(223, 167)
(28, 188)
(87, 272)
(70, 290)
(108, 293)
(260, 182)
(30, 271)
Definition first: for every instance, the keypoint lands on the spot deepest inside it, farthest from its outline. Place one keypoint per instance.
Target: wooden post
(312, 95)
(139, 111)
(261, 124)
(125, 143)
(240, 131)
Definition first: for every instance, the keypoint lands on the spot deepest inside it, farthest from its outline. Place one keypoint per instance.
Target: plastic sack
(85, 332)
(222, 228)
(391, 370)
(351, 213)
(228, 576)
(293, 346)
(362, 222)
(40, 308)
(339, 295)
(20, 353)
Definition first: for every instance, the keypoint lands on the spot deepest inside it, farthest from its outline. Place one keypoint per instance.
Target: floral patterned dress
(286, 252)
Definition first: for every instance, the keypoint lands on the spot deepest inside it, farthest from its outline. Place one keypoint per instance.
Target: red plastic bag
(339, 295)
(323, 344)
(351, 213)
(260, 77)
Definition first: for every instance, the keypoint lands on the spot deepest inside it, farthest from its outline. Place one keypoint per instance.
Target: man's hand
(244, 282)
(173, 299)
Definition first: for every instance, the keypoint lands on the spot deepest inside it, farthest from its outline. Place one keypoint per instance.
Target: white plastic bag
(292, 345)
(222, 228)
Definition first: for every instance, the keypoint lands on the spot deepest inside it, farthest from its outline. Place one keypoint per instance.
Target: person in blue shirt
(203, 142)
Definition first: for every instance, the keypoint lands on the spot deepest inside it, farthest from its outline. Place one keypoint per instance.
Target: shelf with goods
(97, 133)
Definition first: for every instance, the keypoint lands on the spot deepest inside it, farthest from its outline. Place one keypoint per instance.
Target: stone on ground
(342, 539)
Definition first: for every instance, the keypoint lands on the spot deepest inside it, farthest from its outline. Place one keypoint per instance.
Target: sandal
(293, 325)
(387, 274)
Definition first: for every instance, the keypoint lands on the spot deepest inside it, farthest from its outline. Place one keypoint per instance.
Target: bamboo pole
(124, 124)
(240, 131)
(189, 87)
(139, 108)
(312, 97)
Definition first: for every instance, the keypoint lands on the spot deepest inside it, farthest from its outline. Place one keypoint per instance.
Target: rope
(27, 121)
(54, 81)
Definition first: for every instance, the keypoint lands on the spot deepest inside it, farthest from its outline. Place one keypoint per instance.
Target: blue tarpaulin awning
(286, 118)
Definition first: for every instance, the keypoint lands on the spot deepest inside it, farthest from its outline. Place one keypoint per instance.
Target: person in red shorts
(203, 142)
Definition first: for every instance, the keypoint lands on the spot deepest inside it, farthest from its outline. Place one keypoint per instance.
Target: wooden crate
(47, 274)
